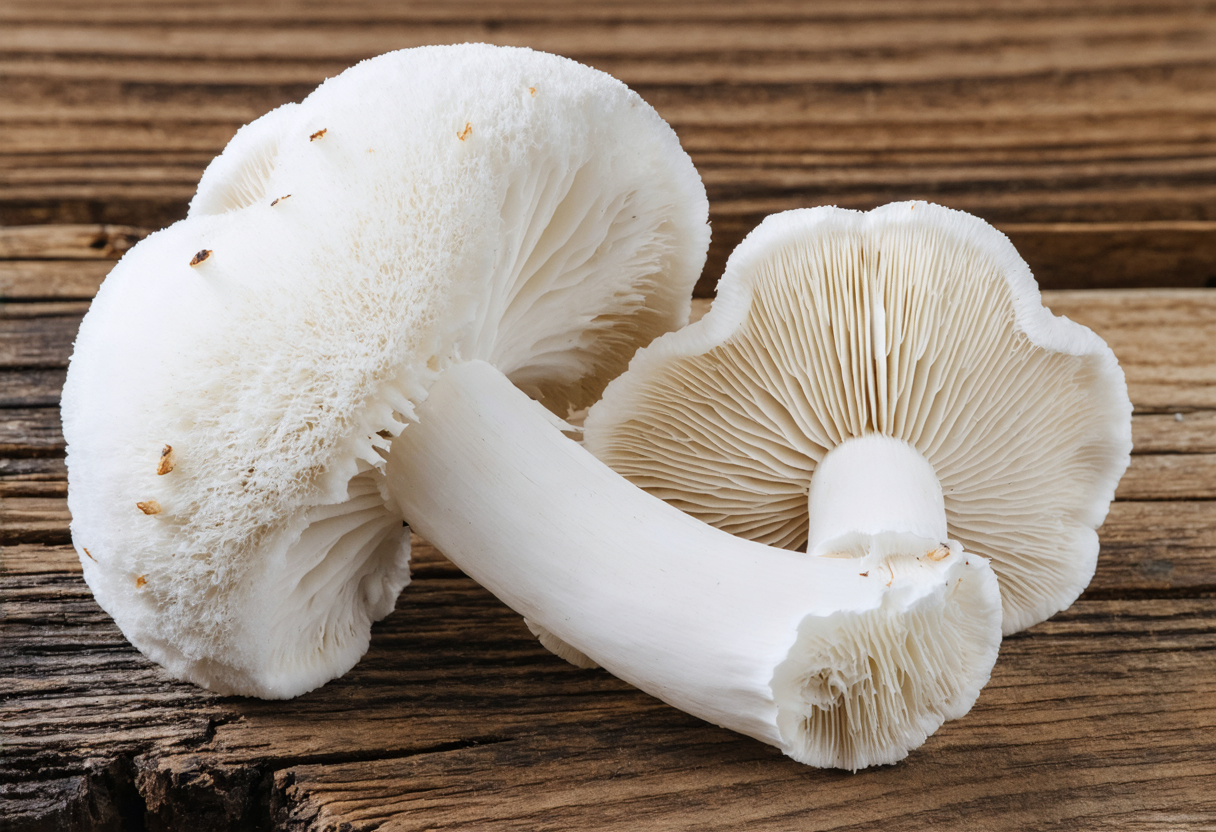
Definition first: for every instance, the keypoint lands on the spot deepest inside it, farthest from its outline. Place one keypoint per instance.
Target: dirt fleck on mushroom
(532, 91)
(865, 574)
(148, 507)
(892, 571)
(279, 199)
(86, 552)
(318, 134)
(140, 581)
(464, 134)
(937, 554)
(200, 257)
(166, 462)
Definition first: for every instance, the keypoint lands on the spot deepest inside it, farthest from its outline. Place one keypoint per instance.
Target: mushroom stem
(825, 658)
(873, 484)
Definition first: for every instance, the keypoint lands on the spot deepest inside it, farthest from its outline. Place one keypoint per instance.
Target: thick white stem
(687, 613)
(872, 485)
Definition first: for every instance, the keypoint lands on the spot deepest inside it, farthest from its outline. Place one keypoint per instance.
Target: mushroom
(862, 373)
(240, 374)
(845, 661)
(471, 233)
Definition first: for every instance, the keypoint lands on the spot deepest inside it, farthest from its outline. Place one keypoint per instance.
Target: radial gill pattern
(905, 328)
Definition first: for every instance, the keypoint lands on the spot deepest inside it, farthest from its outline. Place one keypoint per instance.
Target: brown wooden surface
(1084, 130)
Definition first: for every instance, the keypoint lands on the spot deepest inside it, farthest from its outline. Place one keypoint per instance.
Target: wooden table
(1086, 134)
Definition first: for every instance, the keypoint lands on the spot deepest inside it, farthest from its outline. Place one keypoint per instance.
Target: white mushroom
(838, 661)
(465, 227)
(239, 374)
(890, 371)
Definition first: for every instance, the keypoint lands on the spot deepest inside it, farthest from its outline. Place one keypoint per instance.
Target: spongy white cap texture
(424, 207)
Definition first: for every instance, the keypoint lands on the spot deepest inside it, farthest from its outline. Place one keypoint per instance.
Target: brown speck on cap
(165, 464)
(865, 574)
(464, 134)
(937, 554)
(279, 199)
(149, 507)
(140, 581)
(86, 553)
(200, 257)
(318, 134)
(532, 91)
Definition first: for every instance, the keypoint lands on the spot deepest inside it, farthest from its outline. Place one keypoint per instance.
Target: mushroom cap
(914, 321)
(423, 208)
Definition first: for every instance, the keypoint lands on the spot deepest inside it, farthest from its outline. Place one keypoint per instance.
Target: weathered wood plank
(51, 279)
(34, 520)
(38, 558)
(136, 12)
(432, 733)
(1113, 40)
(1191, 432)
(1169, 477)
(68, 242)
(1026, 114)
(1156, 547)
(38, 343)
(30, 388)
(35, 469)
(805, 127)
(33, 489)
(30, 431)
(45, 309)
(1036, 752)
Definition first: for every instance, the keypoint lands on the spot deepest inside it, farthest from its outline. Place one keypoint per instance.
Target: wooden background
(1084, 130)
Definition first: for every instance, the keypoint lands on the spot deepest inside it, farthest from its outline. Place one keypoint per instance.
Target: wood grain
(51, 279)
(429, 733)
(1101, 718)
(1085, 131)
(68, 242)
(633, 777)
